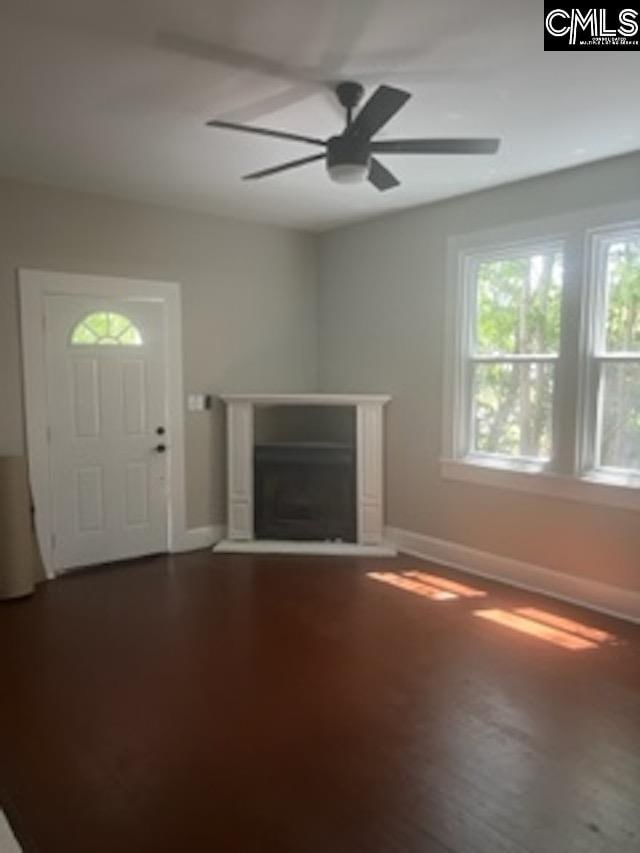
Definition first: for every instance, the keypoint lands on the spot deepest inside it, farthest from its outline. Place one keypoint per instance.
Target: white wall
(249, 303)
(381, 327)
(253, 320)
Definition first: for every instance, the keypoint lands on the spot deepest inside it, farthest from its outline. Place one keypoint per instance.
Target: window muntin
(515, 342)
(106, 328)
(617, 353)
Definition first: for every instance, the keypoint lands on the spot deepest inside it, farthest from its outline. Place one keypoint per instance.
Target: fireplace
(305, 491)
(305, 474)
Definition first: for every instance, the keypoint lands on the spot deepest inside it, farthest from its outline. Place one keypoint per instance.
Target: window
(617, 352)
(106, 328)
(515, 342)
(542, 389)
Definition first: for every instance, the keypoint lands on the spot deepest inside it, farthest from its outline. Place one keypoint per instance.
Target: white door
(108, 442)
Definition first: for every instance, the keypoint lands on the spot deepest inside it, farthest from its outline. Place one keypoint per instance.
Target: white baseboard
(198, 538)
(604, 598)
(272, 546)
(8, 843)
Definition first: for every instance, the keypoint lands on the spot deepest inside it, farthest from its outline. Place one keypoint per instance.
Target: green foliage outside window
(518, 302)
(518, 305)
(517, 313)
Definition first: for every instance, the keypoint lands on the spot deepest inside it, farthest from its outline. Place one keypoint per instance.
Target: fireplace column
(240, 469)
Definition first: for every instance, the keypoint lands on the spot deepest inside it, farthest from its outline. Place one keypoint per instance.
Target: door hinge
(49, 434)
(53, 541)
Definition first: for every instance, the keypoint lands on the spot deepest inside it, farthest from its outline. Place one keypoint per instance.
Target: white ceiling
(95, 95)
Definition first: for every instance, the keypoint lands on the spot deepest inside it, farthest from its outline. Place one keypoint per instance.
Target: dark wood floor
(298, 705)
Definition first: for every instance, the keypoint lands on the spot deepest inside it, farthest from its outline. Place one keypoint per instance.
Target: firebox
(305, 491)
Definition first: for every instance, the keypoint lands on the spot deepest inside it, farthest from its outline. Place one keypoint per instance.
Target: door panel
(105, 369)
(137, 494)
(134, 402)
(86, 401)
(89, 499)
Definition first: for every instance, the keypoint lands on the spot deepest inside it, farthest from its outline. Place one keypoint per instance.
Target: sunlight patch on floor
(562, 632)
(542, 624)
(427, 585)
(570, 625)
(460, 589)
(414, 586)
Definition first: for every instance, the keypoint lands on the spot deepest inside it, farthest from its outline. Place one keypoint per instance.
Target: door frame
(35, 286)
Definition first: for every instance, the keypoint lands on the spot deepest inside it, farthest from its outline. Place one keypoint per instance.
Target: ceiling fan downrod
(349, 94)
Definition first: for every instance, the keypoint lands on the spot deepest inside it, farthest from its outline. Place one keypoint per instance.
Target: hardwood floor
(300, 705)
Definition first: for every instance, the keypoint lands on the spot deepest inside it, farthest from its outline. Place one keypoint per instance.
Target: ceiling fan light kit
(348, 160)
(348, 173)
(348, 156)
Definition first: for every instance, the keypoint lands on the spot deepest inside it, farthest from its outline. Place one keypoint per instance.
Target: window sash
(472, 265)
(541, 462)
(598, 466)
(601, 246)
(594, 354)
(468, 316)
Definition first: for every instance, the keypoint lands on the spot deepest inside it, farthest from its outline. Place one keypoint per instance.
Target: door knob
(160, 448)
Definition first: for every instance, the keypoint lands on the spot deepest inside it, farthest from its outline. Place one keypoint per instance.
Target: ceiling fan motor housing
(348, 158)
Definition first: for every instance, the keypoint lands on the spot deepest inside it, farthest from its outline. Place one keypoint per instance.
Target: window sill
(597, 488)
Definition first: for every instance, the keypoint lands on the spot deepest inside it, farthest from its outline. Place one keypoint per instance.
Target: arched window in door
(106, 328)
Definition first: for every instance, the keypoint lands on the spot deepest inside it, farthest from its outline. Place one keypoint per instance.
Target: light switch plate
(196, 402)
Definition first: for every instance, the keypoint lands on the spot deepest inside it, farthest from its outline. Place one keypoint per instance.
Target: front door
(107, 416)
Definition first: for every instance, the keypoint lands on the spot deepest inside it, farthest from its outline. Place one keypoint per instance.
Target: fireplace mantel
(369, 446)
(307, 399)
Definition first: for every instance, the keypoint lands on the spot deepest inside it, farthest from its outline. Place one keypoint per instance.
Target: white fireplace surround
(369, 439)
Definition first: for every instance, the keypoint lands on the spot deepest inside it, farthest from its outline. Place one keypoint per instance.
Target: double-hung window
(542, 386)
(615, 323)
(515, 303)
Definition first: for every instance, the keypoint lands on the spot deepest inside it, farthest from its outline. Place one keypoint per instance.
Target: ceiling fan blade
(379, 109)
(435, 146)
(263, 131)
(286, 97)
(242, 60)
(381, 177)
(292, 164)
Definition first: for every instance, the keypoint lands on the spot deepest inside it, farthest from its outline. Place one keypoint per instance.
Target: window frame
(594, 355)
(571, 472)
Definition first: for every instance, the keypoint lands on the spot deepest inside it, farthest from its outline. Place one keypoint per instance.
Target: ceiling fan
(350, 156)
